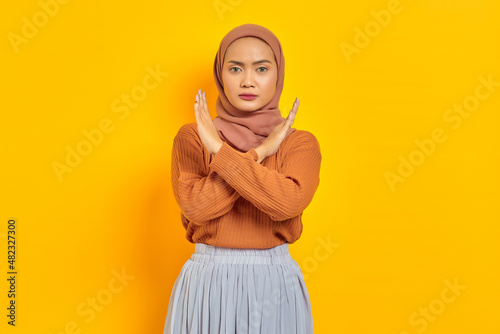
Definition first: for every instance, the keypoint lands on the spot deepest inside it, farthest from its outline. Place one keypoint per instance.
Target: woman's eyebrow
(255, 62)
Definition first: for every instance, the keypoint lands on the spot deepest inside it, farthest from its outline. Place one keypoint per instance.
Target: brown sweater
(228, 199)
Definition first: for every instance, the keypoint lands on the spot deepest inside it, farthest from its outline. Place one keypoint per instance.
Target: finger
(296, 105)
(197, 113)
(293, 112)
(203, 102)
(289, 121)
(198, 99)
(197, 109)
(292, 119)
(203, 106)
(197, 106)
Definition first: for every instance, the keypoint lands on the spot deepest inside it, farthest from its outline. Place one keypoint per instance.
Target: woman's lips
(248, 97)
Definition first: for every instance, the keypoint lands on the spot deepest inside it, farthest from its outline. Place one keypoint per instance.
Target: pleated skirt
(239, 291)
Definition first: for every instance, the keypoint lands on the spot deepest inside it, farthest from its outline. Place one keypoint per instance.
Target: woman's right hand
(271, 144)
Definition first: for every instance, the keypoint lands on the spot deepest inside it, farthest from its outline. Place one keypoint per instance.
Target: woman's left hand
(206, 128)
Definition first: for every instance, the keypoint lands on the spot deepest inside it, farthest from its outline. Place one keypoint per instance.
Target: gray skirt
(239, 291)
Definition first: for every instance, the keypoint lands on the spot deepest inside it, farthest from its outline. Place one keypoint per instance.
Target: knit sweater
(228, 199)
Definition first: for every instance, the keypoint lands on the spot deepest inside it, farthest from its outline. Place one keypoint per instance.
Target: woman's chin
(247, 106)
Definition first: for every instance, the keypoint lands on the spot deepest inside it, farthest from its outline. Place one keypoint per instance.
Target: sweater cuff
(254, 154)
(227, 157)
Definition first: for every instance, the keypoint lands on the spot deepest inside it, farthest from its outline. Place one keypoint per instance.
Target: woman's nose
(247, 80)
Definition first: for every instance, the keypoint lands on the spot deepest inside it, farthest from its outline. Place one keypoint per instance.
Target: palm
(273, 141)
(206, 128)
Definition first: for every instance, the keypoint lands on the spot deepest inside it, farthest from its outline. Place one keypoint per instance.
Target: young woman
(242, 182)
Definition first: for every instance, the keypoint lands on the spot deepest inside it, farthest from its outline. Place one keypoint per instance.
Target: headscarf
(246, 130)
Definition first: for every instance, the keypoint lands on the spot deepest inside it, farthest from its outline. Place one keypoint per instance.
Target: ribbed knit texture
(228, 199)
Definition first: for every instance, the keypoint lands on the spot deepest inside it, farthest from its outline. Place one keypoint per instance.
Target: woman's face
(249, 68)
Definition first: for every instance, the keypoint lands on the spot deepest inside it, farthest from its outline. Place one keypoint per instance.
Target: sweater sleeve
(282, 193)
(201, 195)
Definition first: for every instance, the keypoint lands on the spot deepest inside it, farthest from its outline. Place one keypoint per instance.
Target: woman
(242, 181)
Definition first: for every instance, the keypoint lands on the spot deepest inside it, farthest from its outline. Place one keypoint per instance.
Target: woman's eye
(261, 69)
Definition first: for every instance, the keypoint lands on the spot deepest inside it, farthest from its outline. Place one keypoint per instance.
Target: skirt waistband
(208, 253)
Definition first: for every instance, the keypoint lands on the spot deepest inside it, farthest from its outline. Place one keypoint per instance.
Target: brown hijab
(247, 130)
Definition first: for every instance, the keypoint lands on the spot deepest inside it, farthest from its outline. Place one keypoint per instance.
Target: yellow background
(392, 248)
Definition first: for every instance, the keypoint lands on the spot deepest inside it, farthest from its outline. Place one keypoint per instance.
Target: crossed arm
(204, 195)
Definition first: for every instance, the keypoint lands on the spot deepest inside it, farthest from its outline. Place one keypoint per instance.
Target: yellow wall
(409, 185)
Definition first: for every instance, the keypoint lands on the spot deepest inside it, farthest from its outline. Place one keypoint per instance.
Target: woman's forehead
(249, 49)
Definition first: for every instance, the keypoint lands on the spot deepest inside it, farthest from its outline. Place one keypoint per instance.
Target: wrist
(261, 153)
(217, 147)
